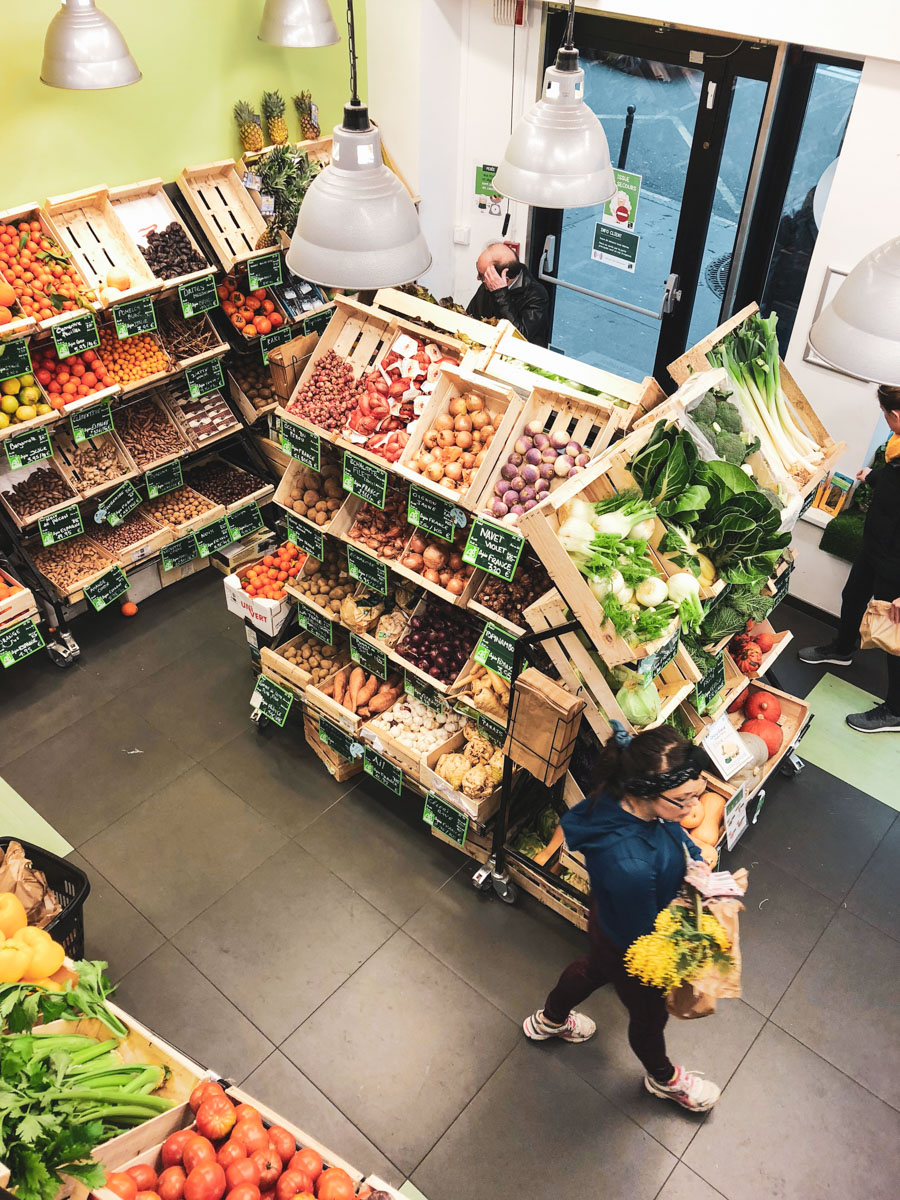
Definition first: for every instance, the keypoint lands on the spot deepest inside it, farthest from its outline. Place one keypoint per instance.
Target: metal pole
(626, 136)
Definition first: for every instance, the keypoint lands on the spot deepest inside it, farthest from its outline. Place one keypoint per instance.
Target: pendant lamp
(84, 51)
(358, 228)
(558, 156)
(298, 23)
(859, 331)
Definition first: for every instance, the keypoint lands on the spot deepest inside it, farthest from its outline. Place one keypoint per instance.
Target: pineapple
(249, 129)
(309, 124)
(269, 237)
(273, 111)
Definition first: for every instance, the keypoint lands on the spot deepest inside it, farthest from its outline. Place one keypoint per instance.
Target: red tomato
(170, 1184)
(197, 1150)
(251, 1135)
(122, 1184)
(246, 1191)
(269, 1166)
(282, 1141)
(204, 1091)
(215, 1118)
(244, 1171)
(148, 1196)
(173, 1147)
(246, 1112)
(334, 1184)
(309, 1161)
(144, 1176)
(231, 1152)
(206, 1182)
(292, 1183)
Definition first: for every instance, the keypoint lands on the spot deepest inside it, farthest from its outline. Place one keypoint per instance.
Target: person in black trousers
(875, 574)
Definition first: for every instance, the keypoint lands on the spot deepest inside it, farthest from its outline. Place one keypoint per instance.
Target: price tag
(446, 819)
(306, 537)
(651, 666)
(735, 817)
(204, 377)
(213, 537)
(783, 583)
(491, 730)
(179, 553)
(382, 771)
(134, 317)
(313, 622)
(420, 690)
(711, 684)
(805, 507)
(726, 749)
(494, 549)
(76, 336)
(18, 641)
(301, 444)
(495, 651)
(317, 322)
(369, 657)
(264, 271)
(367, 570)
(60, 526)
(339, 740)
(717, 599)
(107, 589)
(364, 479)
(14, 359)
(268, 341)
(164, 479)
(91, 422)
(32, 446)
(198, 296)
(434, 514)
(115, 508)
(273, 701)
(246, 520)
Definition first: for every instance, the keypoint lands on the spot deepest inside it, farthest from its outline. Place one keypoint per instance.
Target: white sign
(726, 748)
(736, 817)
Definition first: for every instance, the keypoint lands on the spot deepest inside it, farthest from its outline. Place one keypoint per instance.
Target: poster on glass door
(621, 210)
(615, 247)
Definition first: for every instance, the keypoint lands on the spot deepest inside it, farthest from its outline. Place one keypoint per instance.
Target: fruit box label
(179, 553)
(204, 378)
(306, 537)
(117, 506)
(446, 819)
(134, 317)
(268, 341)
(198, 296)
(24, 449)
(736, 817)
(364, 479)
(91, 422)
(420, 690)
(164, 479)
(264, 271)
(313, 622)
(370, 658)
(339, 740)
(318, 322)
(76, 336)
(651, 666)
(301, 444)
(213, 537)
(495, 651)
(711, 684)
(14, 359)
(383, 771)
(273, 701)
(493, 549)
(107, 589)
(19, 641)
(60, 526)
(491, 730)
(367, 570)
(783, 583)
(434, 514)
(246, 520)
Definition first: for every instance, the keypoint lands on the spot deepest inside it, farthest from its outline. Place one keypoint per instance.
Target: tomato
(269, 1166)
(279, 1137)
(335, 1184)
(148, 1196)
(309, 1161)
(206, 1182)
(144, 1176)
(246, 1112)
(197, 1150)
(122, 1184)
(246, 1191)
(173, 1147)
(204, 1091)
(251, 1135)
(244, 1171)
(215, 1118)
(170, 1184)
(292, 1183)
(231, 1152)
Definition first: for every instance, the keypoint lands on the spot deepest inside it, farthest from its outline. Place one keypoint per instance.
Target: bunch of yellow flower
(684, 942)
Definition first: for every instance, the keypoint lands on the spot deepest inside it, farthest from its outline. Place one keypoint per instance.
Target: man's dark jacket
(527, 306)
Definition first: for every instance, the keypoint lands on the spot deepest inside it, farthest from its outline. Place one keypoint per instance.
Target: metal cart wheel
(64, 651)
(506, 891)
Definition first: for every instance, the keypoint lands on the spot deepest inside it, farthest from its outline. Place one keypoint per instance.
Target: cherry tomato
(144, 1176)
(292, 1183)
(246, 1112)
(335, 1184)
(173, 1147)
(230, 1153)
(215, 1118)
(244, 1171)
(283, 1142)
(122, 1184)
(170, 1184)
(203, 1091)
(206, 1182)
(197, 1150)
(251, 1135)
(246, 1191)
(309, 1161)
(269, 1166)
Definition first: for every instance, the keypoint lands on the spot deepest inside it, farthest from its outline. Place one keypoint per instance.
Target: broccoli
(728, 417)
(730, 447)
(704, 412)
(707, 430)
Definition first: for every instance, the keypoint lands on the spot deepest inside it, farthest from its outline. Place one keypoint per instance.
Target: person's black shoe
(826, 654)
(879, 719)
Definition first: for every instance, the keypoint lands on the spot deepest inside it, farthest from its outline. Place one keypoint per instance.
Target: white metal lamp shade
(300, 24)
(558, 156)
(358, 228)
(84, 51)
(859, 331)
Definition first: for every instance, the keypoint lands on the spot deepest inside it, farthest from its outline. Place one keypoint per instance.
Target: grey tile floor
(311, 940)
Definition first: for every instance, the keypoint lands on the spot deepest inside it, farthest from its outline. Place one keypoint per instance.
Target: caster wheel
(505, 891)
(788, 770)
(61, 658)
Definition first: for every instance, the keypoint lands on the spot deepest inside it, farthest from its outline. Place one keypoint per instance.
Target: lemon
(9, 404)
(4, 420)
(29, 395)
(10, 387)
(43, 409)
(25, 412)
(26, 380)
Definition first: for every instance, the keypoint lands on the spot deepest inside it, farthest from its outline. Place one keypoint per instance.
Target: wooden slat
(143, 207)
(228, 216)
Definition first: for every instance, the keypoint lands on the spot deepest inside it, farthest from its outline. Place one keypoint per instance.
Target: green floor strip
(18, 819)
(867, 761)
(411, 1191)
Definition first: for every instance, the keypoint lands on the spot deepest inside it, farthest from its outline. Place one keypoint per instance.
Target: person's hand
(863, 474)
(894, 611)
(492, 280)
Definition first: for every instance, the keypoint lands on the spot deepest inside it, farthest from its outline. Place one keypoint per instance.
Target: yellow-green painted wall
(197, 58)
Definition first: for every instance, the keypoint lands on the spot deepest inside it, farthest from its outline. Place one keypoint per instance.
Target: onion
(443, 421)
(468, 461)
(573, 449)
(446, 438)
(533, 457)
(559, 441)
(412, 562)
(480, 419)
(479, 458)
(498, 508)
(432, 576)
(463, 423)
(563, 466)
(457, 406)
(530, 474)
(508, 470)
(582, 459)
(455, 562)
(417, 543)
(454, 471)
(523, 445)
(456, 586)
(474, 403)
(542, 441)
(445, 577)
(464, 440)
(435, 472)
(533, 428)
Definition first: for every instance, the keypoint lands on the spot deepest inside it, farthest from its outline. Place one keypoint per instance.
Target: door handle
(670, 297)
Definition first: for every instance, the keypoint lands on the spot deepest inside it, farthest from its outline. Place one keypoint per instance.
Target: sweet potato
(357, 679)
(367, 691)
(383, 700)
(340, 685)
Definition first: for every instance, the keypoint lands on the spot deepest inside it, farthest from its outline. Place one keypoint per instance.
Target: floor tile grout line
(680, 1162)
(862, 871)
(128, 812)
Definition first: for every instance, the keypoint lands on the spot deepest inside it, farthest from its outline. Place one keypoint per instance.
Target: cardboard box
(543, 727)
(268, 616)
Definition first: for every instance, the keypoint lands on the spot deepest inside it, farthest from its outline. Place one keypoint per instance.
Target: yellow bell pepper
(45, 955)
(48, 985)
(12, 914)
(13, 961)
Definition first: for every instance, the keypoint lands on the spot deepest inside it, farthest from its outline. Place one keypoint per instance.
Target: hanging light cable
(358, 228)
(301, 24)
(84, 50)
(558, 156)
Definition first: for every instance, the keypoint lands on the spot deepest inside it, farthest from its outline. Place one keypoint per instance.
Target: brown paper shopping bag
(878, 631)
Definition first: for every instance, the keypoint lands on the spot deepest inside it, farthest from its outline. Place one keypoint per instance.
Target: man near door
(509, 291)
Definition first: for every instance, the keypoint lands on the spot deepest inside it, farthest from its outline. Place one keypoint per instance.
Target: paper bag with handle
(878, 631)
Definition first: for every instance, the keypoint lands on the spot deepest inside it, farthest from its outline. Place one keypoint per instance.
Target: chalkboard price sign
(711, 684)
(651, 666)
(364, 479)
(301, 444)
(491, 730)
(268, 341)
(204, 377)
(317, 322)
(339, 740)
(18, 641)
(60, 526)
(91, 422)
(367, 570)
(14, 359)
(313, 622)
(24, 449)
(264, 271)
(273, 701)
(117, 506)
(213, 537)
(179, 553)
(420, 690)
(446, 819)
(783, 583)
(306, 537)
(494, 549)
(369, 657)
(434, 514)
(495, 651)
(246, 520)
(383, 771)
(164, 479)
(198, 296)
(107, 589)
(134, 317)
(76, 336)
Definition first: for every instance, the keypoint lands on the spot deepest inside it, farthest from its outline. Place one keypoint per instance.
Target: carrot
(357, 679)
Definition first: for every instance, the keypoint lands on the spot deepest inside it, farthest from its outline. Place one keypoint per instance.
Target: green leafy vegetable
(22, 1005)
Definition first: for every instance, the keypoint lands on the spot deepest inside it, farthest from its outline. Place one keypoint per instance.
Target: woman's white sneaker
(688, 1088)
(576, 1027)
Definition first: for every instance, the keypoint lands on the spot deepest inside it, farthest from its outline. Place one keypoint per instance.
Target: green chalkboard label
(134, 317)
(76, 336)
(364, 479)
(18, 641)
(213, 537)
(306, 537)
(107, 589)
(369, 657)
(164, 479)
(24, 449)
(339, 740)
(383, 771)
(494, 549)
(179, 553)
(14, 359)
(367, 570)
(115, 508)
(264, 271)
(246, 520)
(491, 730)
(495, 651)
(301, 444)
(317, 322)
(651, 666)
(198, 296)
(805, 507)
(204, 377)
(273, 701)
(60, 526)
(710, 604)
(268, 341)
(434, 515)
(783, 583)
(313, 622)
(710, 685)
(446, 819)
(91, 422)
(420, 690)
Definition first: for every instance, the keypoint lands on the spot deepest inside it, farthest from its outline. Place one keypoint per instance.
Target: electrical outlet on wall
(462, 235)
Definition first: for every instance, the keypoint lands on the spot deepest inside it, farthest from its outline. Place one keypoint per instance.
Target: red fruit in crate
(173, 1147)
(293, 1183)
(197, 1151)
(770, 733)
(203, 1091)
(215, 1118)
(269, 1166)
(245, 1112)
(309, 1161)
(122, 1184)
(335, 1184)
(144, 1176)
(170, 1184)
(245, 1170)
(764, 640)
(738, 705)
(284, 1142)
(763, 704)
(206, 1182)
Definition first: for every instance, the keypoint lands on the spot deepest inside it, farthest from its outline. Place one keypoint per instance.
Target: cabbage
(639, 700)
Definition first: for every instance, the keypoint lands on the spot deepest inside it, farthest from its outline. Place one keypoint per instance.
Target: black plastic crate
(72, 888)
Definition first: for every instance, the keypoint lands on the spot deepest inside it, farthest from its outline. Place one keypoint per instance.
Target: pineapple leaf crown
(272, 105)
(243, 113)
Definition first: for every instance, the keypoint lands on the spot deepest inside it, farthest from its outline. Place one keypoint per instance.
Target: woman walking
(634, 849)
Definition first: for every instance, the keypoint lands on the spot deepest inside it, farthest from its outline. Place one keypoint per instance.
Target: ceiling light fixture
(301, 24)
(84, 51)
(358, 228)
(558, 156)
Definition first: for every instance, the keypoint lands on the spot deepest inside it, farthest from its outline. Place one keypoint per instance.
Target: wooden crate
(295, 678)
(317, 150)
(143, 208)
(8, 478)
(487, 614)
(90, 227)
(535, 882)
(67, 449)
(33, 212)
(170, 307)
(17, 606)
(479, 811)
(185, 409)
(328, 707)
(298, 473)
(156, 398)
(76, 589)
(259, 495)
(459, 326)
(49, 418)
(230, 220)
(137, 550)
(213, 513)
